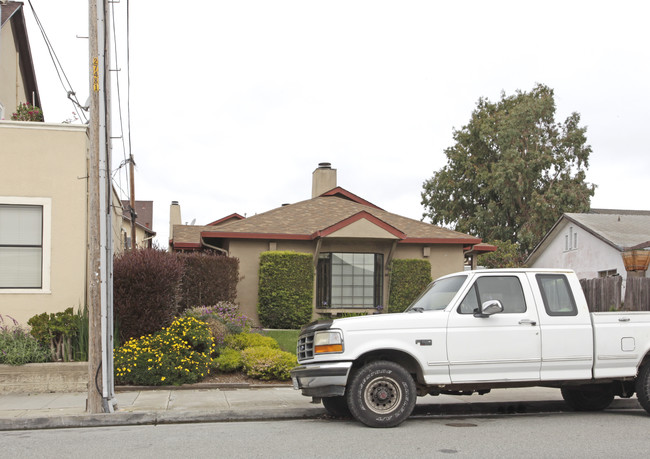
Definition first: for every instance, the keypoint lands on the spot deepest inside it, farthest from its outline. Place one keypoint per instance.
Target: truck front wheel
(381, 394)
(595, 397)
(643, 387)
(336, 406)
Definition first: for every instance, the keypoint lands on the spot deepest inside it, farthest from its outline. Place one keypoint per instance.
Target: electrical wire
(59, 68)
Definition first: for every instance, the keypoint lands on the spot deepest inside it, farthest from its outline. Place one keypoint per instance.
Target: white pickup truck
(471, 332)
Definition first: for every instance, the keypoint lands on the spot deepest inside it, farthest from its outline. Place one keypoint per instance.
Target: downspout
(224, 251)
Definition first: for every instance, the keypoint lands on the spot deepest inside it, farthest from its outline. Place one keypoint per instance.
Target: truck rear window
(556, 294)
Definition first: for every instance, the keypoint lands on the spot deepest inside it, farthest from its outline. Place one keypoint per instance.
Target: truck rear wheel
(336, 406)
(595, 397)
(381, 394)
(643, 387)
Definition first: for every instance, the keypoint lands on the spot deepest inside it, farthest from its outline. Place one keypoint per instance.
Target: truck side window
(556, 294)
(506, 289)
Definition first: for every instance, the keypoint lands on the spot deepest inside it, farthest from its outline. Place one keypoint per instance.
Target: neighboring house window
(24, 244)
(349, 280)
(570, 240)
(608, 273)
(2, 111)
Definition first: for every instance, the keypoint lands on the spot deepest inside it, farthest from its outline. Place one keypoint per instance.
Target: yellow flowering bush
(178, 354)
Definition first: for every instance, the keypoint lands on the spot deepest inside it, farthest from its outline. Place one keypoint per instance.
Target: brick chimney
(323, 179)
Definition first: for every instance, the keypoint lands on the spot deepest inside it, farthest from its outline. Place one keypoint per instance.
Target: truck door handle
(532, 323)
(624, 319)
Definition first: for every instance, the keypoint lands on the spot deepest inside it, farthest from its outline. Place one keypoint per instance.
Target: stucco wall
(49, 161)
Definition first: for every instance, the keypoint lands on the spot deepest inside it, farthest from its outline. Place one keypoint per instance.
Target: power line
(59, 68)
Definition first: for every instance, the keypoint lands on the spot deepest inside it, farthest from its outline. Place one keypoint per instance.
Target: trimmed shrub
(209, 278)
(229, 360)
(18, 346)
(408, 278)
(265, 363)
(286, 282)
(179, 354)
(242, 341)
(146, 291)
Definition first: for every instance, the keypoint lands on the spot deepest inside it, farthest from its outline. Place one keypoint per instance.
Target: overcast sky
(234, 103)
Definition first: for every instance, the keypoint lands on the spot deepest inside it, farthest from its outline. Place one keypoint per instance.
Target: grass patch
(288, 339)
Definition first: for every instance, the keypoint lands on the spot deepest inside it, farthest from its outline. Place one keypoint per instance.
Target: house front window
(349, 280)
(25, 232)
(21, 246)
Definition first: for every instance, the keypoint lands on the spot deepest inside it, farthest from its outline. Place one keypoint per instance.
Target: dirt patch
(239, 378)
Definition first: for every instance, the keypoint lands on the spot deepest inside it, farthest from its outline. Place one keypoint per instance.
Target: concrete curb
(157, 417)
(268, 414)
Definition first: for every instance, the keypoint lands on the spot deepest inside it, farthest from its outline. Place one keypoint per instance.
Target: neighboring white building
(592, 243)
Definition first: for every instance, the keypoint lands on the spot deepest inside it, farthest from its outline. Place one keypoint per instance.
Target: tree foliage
(512, 171)
(507, 255)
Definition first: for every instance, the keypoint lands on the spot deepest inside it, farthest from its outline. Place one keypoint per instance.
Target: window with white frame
(24, 244)
(570, 239)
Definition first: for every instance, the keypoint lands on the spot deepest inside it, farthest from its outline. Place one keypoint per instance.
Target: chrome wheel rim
(382, 395)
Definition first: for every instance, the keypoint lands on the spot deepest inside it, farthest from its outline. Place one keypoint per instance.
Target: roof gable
(13, 11)
(362, 224)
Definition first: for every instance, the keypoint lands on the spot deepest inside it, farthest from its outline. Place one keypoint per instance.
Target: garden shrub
(56, 331)
(209, 278)
(146, 290)
(408, 278)
(179, 354)
(286, 283)
(242, 341)
(265, 363)
(18, 346)
(229, 360)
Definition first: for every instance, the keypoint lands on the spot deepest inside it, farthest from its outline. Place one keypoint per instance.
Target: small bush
(146, 291)
(265, 363)
(285, 289)
(179, 354)
(225, 313)
(18, 346)
(229, 360)
(242, 341)
(56, 331)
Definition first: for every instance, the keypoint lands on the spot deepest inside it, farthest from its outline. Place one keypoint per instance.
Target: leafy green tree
(512, 171)
(507, 255)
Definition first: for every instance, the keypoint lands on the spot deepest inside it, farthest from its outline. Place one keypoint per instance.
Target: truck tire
(643, 387)
(337, 406)
(595, 397)
(381, 394)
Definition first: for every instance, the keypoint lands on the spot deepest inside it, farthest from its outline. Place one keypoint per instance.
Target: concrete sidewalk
(233, 403)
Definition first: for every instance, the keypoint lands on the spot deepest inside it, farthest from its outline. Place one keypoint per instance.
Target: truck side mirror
(488, 308)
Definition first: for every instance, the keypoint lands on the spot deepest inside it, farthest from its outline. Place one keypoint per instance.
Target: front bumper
(322, 379)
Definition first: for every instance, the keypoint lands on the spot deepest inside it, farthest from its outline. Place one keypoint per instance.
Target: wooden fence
(637, 294)
(604, 294)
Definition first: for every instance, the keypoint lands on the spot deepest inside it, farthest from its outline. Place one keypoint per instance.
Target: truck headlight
(327, 342)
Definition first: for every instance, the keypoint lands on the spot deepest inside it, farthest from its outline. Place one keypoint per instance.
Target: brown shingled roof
(308, 219)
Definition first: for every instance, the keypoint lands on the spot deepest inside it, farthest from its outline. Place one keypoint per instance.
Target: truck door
(505, 346)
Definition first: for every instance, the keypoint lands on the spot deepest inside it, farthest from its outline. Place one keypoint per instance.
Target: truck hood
(403, 320)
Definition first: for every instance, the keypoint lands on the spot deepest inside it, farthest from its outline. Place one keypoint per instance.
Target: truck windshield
(438, 295)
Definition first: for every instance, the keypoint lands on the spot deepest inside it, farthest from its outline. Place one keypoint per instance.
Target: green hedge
(286, 283)
(407, 280)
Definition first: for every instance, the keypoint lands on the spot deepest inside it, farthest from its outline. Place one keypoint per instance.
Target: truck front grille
(305, 348)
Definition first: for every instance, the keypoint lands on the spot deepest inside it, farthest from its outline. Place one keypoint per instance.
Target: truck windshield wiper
(417, 309)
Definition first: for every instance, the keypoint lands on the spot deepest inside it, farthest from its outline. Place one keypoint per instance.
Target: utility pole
(132, 202)
(100, 250)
